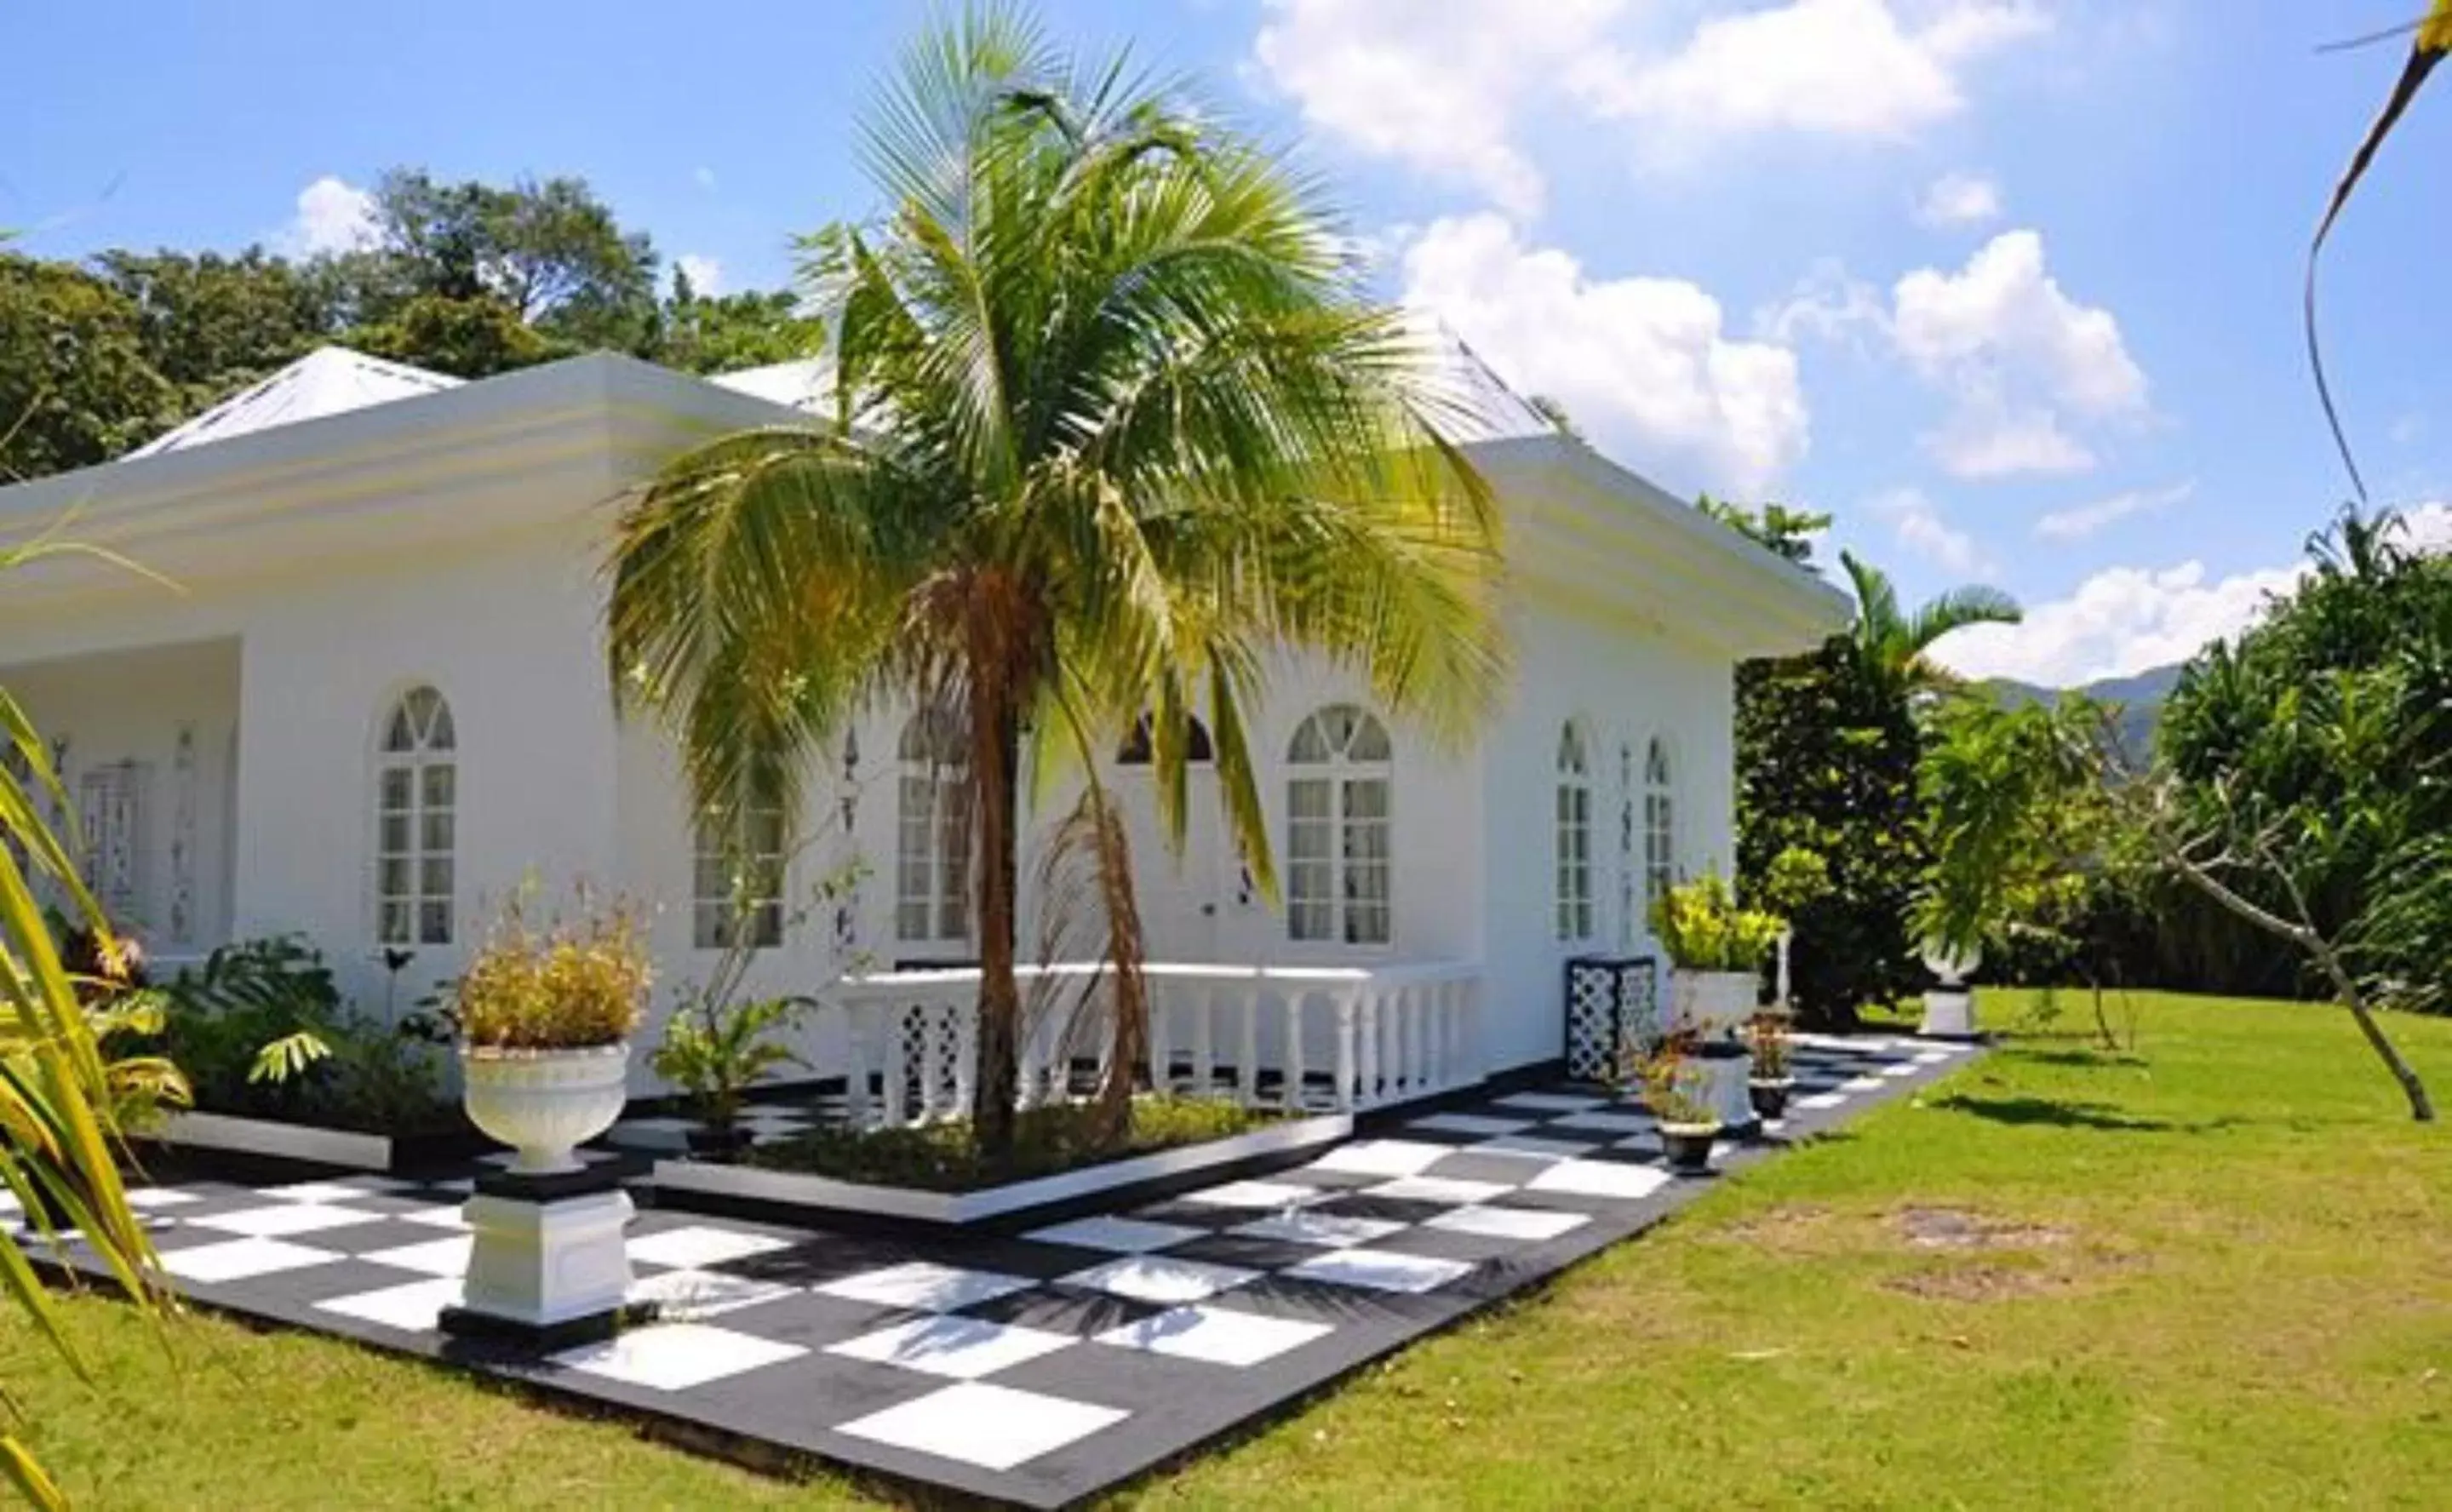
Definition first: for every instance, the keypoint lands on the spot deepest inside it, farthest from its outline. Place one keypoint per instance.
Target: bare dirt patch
(1979, 1283)
(1964, 1229)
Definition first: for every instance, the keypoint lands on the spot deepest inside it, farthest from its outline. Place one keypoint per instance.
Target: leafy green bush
(338, 1067)
(714, 1050)
(1060, 1138)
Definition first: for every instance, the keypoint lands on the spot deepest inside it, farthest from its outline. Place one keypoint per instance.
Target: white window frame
(416, 784)
(1340, 856)
(739, 878)
(932, 846)
(1572, 837)
(1660, 864)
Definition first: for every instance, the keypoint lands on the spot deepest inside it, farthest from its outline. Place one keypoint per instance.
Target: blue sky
(2008, 285)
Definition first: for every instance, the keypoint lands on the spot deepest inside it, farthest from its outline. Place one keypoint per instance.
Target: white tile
(1822, 1099)
(275, 1220)
(995, 1427)
(436, 1257)
(1606, 1123)
(676, 1356)
(1379, 1270)
(1553, 1102)
(1383, 1157)
(1527, 1146)
(1123, 1236)
(702, 1245)
(146, 1199)
(1255, 1194)
(1438, 1189)
(926, 1288)
(1905, 1069)
(1599, 1178)
(681, 1296)
(1216, 1335)
(1530, 1225)
(1932, 1057)
(1860, 1083)
(413, 1307)
(1327, 1230)
(441, 1215)
(964, 1349)
(322, 1191)
(238, 1259)
(1472, 1123)
(463, 1184)
(1160, 1278)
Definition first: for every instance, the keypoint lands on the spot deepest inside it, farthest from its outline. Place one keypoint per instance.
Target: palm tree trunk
(995, 760)
(1127, 987)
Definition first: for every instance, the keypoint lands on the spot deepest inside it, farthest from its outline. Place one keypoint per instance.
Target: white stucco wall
(1626, 686)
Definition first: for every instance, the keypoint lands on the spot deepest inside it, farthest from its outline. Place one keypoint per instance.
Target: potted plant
(1716, 950)
(714, 1050)
(544, 1018)
(1673, 1088)
(1772, 1078)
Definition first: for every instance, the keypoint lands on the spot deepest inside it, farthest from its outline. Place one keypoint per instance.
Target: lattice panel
(1611, 1008)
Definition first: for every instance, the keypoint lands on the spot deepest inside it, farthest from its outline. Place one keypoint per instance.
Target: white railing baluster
(1247, 1060)
(1204, 1047)
(1160, 1026)
(966, 1055)
(1291, 1092)
(1350, 1075)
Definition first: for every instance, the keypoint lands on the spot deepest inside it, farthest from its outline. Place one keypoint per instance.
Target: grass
(2212, 1273)
(1057, 1137)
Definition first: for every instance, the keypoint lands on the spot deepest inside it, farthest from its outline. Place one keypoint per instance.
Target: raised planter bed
(319, 1143)
(1153, 1174)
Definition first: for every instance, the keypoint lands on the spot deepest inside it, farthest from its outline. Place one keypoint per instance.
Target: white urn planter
(548, 1261)
(545, 1103)
(1949, 1008)
(1710, 1003)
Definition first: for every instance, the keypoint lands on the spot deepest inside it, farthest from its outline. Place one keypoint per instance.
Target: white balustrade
(906, 1043)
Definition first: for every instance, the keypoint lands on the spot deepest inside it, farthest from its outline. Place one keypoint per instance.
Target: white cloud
(703, 178)
(2083, 521)
(1643, 362)
(333, 216)
(1837, 68)
(2125, 620)
(1920, 526)
(704, 273)
(1828, 305)
(2019, 354)
(1959, 199)
(1433, 84)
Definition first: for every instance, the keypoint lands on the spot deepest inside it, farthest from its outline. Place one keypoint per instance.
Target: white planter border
(791, 1187)
(264, 1137)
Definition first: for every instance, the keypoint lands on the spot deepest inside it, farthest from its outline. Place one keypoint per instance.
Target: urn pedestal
(1950, 1007)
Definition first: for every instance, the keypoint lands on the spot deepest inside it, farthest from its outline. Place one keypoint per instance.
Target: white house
(368, 695)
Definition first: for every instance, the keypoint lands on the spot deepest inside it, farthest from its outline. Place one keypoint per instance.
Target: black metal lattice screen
(1611, 1005)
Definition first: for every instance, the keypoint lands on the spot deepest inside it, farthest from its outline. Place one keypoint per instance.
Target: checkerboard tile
(991, 1427)
(1034, 1366)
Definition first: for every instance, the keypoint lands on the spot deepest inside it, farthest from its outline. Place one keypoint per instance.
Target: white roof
(804, 383)
(327, 381)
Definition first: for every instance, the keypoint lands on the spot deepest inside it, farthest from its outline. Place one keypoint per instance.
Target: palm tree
(58, 1133)
(1891, 643)
(1112, 421)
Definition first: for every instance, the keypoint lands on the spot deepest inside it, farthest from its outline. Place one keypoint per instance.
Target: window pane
(439, 784)
(435, 830)
(1370, 742)
(1310, 744)
(440, 736)
(394, 838)
(394, 927)
(395, 787)
(911, 920)
(766, 928)
(707, 922)
(392, 881)
(1367, 799)
(435, 879)
(434, 923)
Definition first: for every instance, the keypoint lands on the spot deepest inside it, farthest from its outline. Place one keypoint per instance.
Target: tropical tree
(1114, 419)
(1827, 750)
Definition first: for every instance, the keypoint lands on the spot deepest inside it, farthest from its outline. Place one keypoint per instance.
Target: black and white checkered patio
(1040, 1366)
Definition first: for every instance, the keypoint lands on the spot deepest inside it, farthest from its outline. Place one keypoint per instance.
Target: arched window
(737, 885)
(932, 869)
(1336, 829)
(1136, 752)
(1659, 820)
(1573, 849)
(417, 797)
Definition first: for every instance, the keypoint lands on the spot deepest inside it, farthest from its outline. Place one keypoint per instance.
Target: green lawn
(2217, 1272)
